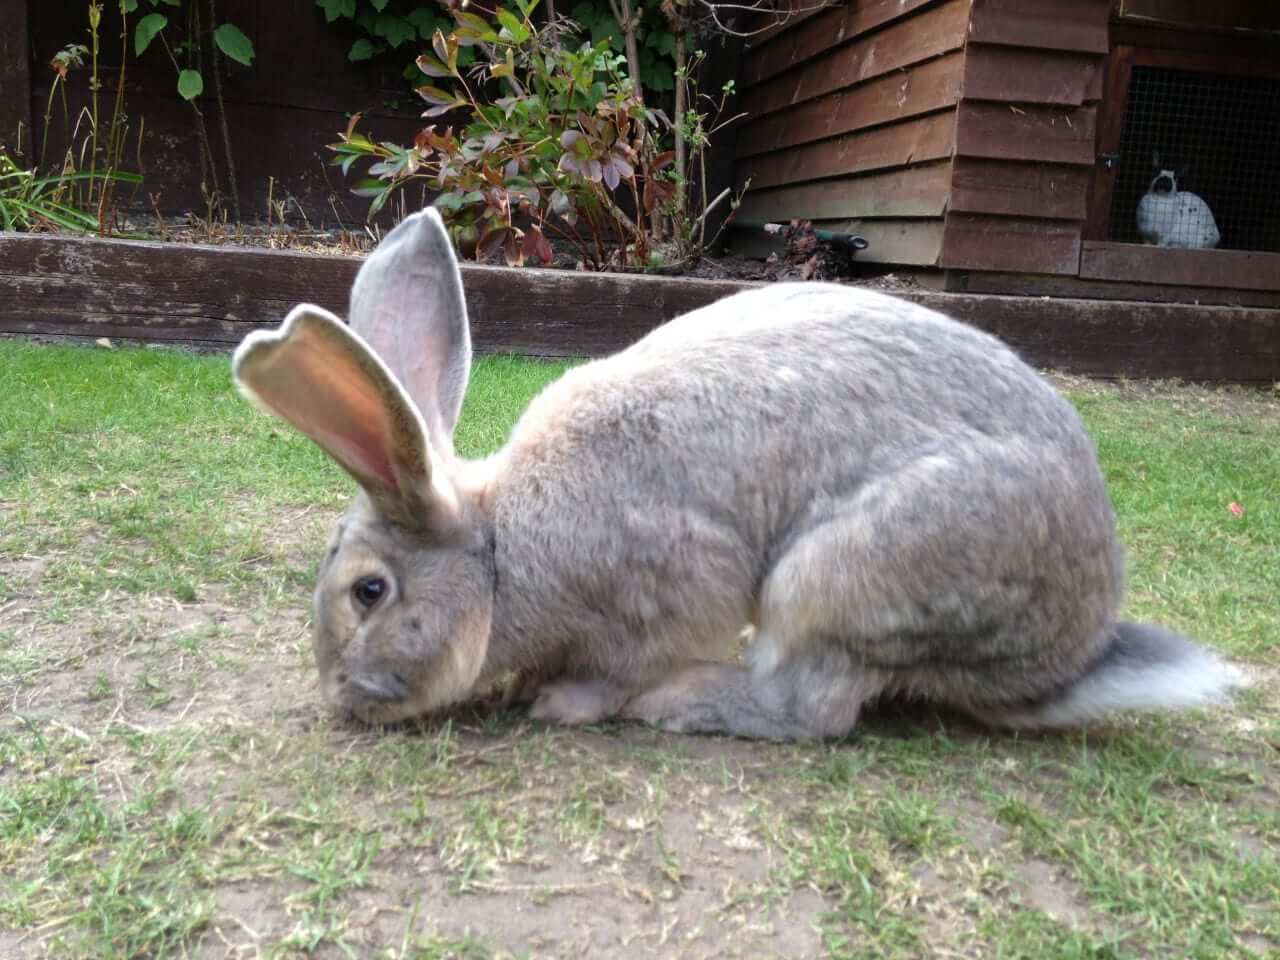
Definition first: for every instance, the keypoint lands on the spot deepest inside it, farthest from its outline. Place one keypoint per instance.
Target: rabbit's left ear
(314, 372)
(407, 304)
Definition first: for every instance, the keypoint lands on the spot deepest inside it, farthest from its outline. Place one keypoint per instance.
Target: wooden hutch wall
(1025, 135)
(954, 133)
(965, 135)
(851, 120)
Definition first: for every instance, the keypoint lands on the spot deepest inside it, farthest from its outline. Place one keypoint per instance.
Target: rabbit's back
(652, 492)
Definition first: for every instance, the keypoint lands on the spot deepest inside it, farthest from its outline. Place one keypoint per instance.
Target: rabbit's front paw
(573, 703)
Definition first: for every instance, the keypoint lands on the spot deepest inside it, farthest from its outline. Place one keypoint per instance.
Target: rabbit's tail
(1144, 667)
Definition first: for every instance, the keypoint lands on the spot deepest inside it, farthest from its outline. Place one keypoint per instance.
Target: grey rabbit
(888, 501)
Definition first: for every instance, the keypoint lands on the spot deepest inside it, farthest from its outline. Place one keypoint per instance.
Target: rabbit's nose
(377, 687)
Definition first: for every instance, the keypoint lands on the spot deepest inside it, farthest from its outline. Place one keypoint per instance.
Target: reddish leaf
(491, 242)
(662, 160)
(1236, 509)
(511, 250)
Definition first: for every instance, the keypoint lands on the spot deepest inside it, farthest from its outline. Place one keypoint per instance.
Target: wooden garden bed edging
(211, 297)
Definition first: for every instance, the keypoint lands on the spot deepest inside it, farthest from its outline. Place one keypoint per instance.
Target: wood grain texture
(1010, 188)
(932, 33)
(782, 16)
(914, 141)
(919, 191)
(57, 286)
(216, 295)
(978, 242)
(1119, 72)
(1045, 285)
(1079, 25)
(1114, 339)
(900, 95)
(835, 25)
(1241, 269)
(1001, 131)
(1018, 75)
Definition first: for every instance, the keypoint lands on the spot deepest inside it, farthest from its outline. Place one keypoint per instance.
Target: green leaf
(425, 22)
(513, 25)
(128, 6)
(146, 29)
(190, 84)
(379, 5)
(333, 9)
(362, 49)
(232, 41)
(473, 27)
(396, 30)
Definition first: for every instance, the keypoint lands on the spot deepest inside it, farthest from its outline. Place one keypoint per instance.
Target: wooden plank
(59, 286)
(915, 141)
(912, 91)
(784, 15)
(1216, 61)
(1119, 71)
(933, 33)
(1123, 339)
(1017, 75)
(1046, 285)
(89, 287)
(1008, 132)
(15, 81)
(977, 242)
(830, 28)
(1198, 15)
(1257, 47)
(897, 242)
(1010, 188)
(1240, 269)
(906, 192)
(1079, 25)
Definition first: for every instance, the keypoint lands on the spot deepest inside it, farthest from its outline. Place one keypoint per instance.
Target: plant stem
(222, 116)
(682, 92)
(208, 171)
(95, 11)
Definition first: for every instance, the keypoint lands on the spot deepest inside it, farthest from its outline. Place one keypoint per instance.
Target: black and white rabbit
(1169, 217)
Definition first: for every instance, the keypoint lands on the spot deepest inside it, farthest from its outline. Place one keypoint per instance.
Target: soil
(802, 256)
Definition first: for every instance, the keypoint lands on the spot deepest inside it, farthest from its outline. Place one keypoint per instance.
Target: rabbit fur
(891, 502)
(1169, 217)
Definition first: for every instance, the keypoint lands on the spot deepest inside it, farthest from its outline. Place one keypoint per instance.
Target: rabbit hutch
(1121, 149)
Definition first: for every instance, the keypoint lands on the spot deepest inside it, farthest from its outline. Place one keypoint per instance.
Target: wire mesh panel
(1199, 162)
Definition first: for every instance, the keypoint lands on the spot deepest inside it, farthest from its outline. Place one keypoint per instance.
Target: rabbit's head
(404, 597)
(1166, 178)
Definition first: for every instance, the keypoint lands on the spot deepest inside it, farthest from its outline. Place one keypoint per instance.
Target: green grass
(169, 784)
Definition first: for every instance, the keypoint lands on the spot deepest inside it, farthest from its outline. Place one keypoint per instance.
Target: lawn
(171, 786)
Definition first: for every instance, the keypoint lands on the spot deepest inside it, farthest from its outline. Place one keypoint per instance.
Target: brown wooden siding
(15, 79)
(281, 113)
(851, 122)
(1026, 130)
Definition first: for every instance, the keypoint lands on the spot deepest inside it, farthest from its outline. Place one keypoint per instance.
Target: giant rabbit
(888, 501)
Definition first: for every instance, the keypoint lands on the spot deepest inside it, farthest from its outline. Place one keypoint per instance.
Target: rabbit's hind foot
(793, 702)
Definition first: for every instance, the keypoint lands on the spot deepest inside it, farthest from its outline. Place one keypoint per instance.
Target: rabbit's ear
(408, 306)
(314, 372)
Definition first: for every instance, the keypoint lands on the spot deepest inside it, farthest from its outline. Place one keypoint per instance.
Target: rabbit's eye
(369, 590)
